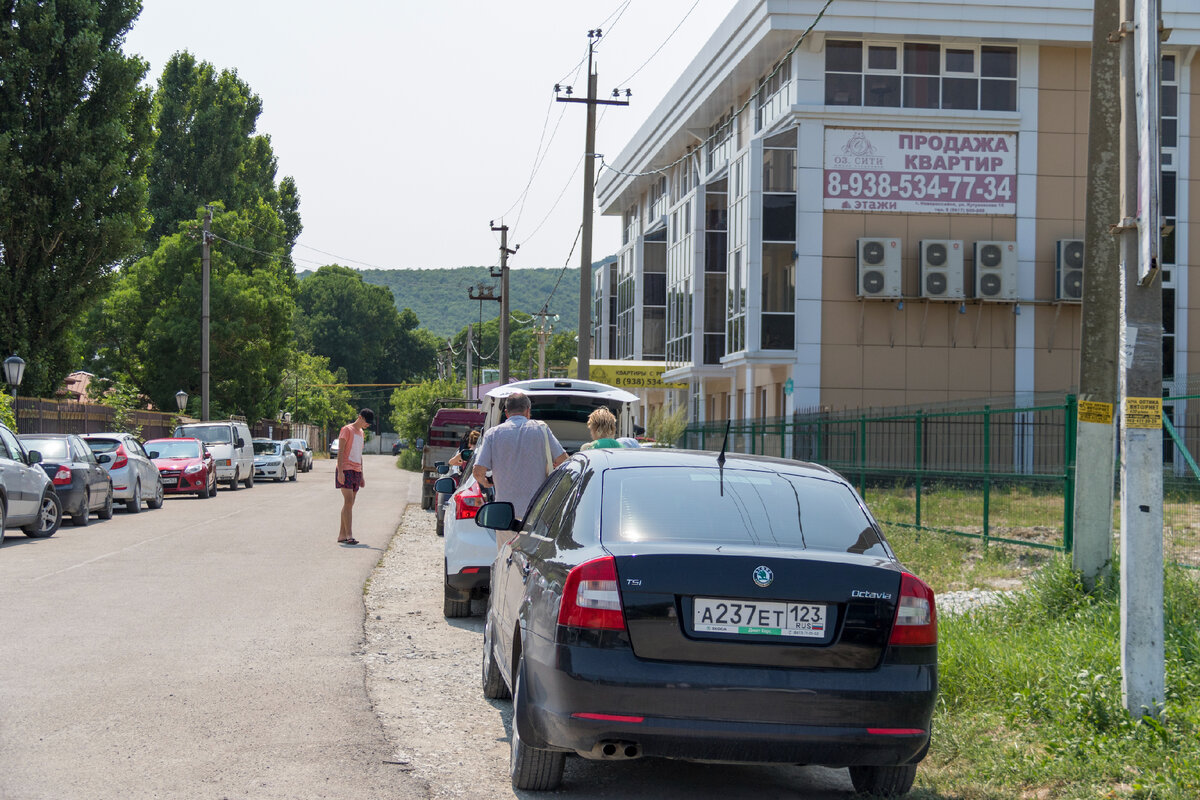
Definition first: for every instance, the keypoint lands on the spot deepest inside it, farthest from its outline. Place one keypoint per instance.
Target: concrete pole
(1101, 318)
(205, 280)
(1143, 669)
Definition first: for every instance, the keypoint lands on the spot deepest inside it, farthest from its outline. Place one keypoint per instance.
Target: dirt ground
(422, 674)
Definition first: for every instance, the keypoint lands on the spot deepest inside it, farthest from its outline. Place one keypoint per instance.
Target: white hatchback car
(135, 477)
(274, 459)
(564, 405)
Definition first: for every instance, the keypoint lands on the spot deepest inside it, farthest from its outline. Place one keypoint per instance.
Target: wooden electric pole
(503, 276)
(589, 189)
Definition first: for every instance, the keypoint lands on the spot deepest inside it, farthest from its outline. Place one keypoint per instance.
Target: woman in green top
(603, 427)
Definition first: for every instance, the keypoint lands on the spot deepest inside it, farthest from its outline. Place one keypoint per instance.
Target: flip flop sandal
(348, 541)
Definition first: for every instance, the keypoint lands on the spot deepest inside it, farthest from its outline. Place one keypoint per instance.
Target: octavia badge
(763, 576)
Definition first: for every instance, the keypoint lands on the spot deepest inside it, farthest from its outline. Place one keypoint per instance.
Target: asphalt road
(208, 649)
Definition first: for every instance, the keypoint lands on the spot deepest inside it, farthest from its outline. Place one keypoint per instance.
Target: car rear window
(740, 507)
(49, 448)
(102, 445)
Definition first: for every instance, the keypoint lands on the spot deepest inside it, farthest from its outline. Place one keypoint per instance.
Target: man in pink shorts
(348, 476)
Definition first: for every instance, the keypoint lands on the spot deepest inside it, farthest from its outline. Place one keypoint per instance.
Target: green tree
(308, 395)
(149, 325)
(74, 134)
(207, 150)
(413, 408)
(356, 326)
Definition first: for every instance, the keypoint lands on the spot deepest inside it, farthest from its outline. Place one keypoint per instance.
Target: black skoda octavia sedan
(688, 605)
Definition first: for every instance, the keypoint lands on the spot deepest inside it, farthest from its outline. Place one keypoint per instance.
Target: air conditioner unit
(941, 271)
(879, 268)
(996, 271)
(1068, 270)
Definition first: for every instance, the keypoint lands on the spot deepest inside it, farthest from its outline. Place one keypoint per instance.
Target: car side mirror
(442, 469)
(498, 516)
(445, 486)
(34, 457)
(439, 463)
(241, 442)
(150, 453)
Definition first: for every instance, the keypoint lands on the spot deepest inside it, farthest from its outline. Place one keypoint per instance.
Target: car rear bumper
(725, 714)
(481, 578)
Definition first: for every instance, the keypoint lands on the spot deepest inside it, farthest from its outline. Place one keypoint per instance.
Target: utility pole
(503, 276)
(482, 292)
(205, 279)
(469, 360)
(1143, 668)
(543, 336)
(1095, 442)
(589, 190)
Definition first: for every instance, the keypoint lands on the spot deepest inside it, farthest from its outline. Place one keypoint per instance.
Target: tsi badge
(763, 576)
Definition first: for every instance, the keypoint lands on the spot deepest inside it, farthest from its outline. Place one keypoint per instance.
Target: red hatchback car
(186, 466)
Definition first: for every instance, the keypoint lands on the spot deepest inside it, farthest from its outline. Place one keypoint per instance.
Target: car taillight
(590, 598)
(916, 613)
(120, 458)
(467, 504)
(62, 477)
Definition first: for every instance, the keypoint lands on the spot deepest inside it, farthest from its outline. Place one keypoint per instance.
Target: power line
(733, 117)
(563, 271)
(661, 46)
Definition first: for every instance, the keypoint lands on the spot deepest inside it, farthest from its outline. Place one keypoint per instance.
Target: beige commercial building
(888, 212)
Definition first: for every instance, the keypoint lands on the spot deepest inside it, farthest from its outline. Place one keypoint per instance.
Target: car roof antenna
(721, 456)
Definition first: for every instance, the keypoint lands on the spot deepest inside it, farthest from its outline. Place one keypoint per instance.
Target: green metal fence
(996, 474)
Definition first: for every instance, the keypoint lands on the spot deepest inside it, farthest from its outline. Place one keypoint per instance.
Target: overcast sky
(410, 125)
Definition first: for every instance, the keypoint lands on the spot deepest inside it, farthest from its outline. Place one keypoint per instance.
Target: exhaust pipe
(615, 751)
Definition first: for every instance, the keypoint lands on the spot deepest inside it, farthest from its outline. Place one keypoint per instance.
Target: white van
(564, 404)
(229, 441)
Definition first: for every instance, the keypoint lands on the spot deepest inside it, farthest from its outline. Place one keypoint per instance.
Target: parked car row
(702, 606)
(47, 476)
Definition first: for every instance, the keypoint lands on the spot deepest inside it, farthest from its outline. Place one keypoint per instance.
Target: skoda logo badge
(763, 576)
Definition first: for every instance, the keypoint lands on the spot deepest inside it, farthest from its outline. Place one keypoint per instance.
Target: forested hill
(439, 296)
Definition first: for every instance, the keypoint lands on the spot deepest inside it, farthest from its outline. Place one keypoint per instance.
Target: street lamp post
(14, 373)
(181, 398)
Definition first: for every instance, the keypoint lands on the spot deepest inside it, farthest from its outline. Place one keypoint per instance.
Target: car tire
(881, 781)
(250, 480)
(531, 768)
(134, 504)
(212, 491)
(295, 472)
(157, 500)
(440, 528)
(494, 687)
(48, 519)
(81, 518)
(3, 521)
(106, 511)
(452, 606)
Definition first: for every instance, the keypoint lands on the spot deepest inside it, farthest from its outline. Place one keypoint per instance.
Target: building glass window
(625, 307)
(1169, 113)
(719, 136)
(716, 219)
(779, 243)
(737, 275)
(921, 75)
(774, 94)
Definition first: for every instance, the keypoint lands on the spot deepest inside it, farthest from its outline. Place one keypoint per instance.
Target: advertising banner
(920, 172)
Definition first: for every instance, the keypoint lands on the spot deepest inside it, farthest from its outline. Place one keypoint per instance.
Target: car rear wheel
(82, 517)
(295, 470)
(453, 606)
(134, 504)
(881, 781)
(493, 682)
(106, 511)
(250, 480)
(48, 519)
(441, 525)
(530, 767)
(157, 500)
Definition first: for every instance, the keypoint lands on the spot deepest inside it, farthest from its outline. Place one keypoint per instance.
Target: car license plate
(170, 481)
(748, 618)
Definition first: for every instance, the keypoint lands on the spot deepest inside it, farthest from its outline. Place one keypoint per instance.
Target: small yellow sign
(1143, 412)
(1094, 411)
(631, 375)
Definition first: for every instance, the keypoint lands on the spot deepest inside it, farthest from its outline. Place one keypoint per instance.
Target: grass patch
(949, 563)
(1030, 703)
